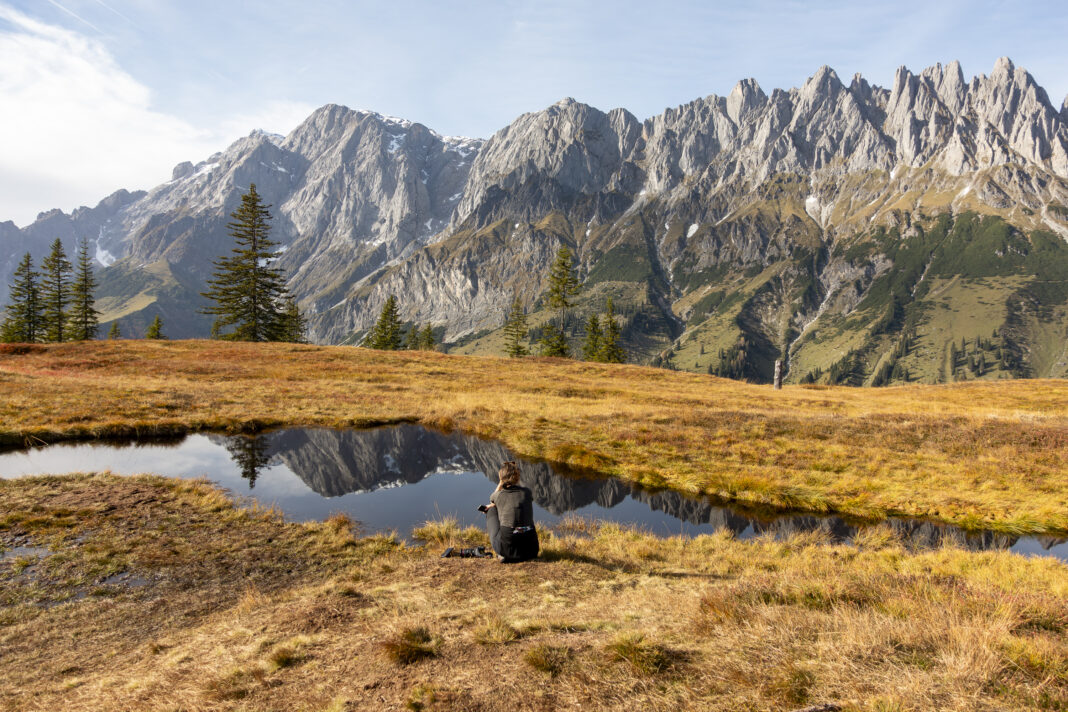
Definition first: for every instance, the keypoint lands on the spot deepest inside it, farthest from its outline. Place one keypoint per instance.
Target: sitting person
(510, 518)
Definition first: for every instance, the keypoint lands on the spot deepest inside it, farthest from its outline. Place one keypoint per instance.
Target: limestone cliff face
(760, 195)
(728, 182)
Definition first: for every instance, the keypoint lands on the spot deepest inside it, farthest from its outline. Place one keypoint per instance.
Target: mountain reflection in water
(334, 463)
(398, 477)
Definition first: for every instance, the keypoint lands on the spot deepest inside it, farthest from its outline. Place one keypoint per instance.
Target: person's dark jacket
(516, 538)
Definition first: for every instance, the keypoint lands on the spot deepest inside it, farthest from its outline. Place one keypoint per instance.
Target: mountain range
(861, 234)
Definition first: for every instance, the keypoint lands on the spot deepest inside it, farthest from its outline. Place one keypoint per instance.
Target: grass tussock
(237, 684)
(981, 454)
(410, 645)
(448, 532)
(549, 659)
(496, 631)
(289, 653)
(644, 657)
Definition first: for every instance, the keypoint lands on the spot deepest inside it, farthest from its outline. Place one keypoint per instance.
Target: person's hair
(509, 473)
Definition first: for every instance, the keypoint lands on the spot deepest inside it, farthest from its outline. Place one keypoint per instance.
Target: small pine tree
(249, 293)
(591, 350)
(426, 338)
(515, 330)
(155, 329)
(294, 327)
(562, 281)
(611, 350)
(23, 321)
(55, 292)
(84, 318)
(563, 285)
(113, 332)
(554, 341)
(411, 342)
(386, 333)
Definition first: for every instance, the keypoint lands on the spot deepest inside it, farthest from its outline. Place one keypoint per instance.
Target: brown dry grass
(243, 611)
(977, 454)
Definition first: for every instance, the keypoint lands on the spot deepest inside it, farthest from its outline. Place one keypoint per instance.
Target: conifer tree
(515, 330)
(412, 341)
(249, 293)
(386, 333)
(294, 327)
(113, 332)
(55, 292)
(563, 285)
(23, 320)
(155, 329)
(250, 455)
(426, 338)
(611, 351)
(84, 318)
(591, 350)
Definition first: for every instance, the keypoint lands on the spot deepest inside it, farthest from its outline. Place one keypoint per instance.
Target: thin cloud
(82, 127)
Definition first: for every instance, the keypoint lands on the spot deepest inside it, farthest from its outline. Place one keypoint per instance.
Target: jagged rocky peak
(965, 126)
(745, 99)
(576, 146)
(823, 83)
(182, 170)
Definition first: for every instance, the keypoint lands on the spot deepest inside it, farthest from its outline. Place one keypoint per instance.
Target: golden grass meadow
(146, 593)
(990, 454)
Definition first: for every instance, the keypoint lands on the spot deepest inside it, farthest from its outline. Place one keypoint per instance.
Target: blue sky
(102, 94)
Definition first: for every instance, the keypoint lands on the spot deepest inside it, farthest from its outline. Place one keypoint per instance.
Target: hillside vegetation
(979, 454)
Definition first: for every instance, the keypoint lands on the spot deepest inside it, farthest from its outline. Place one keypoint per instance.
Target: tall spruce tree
(84, 318)
(515, 330)
(563, 285)
(611, 350)
(386, 333)
(23, 320)
(55, 292)
(248, 291)
(591, 350)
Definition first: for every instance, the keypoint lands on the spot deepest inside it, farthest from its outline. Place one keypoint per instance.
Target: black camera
(483, 507)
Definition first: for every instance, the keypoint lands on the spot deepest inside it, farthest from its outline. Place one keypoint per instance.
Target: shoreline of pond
(761, 519)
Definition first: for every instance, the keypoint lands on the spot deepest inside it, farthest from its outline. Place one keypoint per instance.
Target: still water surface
(398, 477)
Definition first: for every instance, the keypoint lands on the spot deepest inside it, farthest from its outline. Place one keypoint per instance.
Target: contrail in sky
(109, 7)
(76, 16)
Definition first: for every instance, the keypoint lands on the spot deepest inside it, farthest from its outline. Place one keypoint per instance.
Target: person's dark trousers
(493, 528)
(506, 543)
